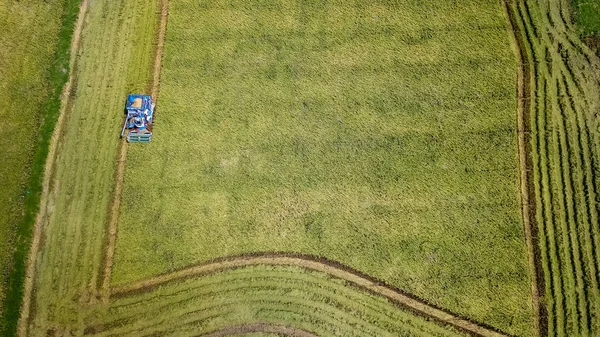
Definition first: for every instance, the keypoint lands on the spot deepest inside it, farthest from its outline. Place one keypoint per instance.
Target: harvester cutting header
(138, 123)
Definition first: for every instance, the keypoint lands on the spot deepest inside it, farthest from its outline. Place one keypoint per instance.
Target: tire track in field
(368, 283)
(549, 244)
(122, 156)
(45, 199)
(279, 329)
(524, 78)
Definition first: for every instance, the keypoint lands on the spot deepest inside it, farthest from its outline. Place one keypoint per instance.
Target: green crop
(377, 134)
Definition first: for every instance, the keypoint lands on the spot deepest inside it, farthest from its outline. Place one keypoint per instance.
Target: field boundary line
(284, 330)
(41, 218)
(366, 282)
(524, 79)
(109, 252)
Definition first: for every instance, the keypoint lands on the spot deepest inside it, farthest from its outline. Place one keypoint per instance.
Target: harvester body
(138, 122)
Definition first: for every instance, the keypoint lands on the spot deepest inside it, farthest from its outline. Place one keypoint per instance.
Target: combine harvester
(138, 123)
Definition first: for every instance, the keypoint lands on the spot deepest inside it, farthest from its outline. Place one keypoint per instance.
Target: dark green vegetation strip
(57, 77)
(114, 58)
(565, 138)
(587, 16)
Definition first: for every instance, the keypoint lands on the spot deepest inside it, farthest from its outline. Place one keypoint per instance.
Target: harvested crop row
(313, 263)
(564, 133)
(311, 300)
(249, 329)
(377, 134)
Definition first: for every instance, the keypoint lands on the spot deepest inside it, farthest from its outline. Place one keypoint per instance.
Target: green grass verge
(587, 18)
(29, 38)
(48, 115)
(378, 134)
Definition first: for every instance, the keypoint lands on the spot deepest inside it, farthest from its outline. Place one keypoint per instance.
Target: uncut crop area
(340, 168)
(378, 135)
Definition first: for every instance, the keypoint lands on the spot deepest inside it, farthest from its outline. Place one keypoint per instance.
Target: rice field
(30, 59)
(66, 298)
(377, 134)
(278, 200)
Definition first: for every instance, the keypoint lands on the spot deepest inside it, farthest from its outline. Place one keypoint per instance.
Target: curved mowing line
(259, 327)
(320, 264)
(266, 287)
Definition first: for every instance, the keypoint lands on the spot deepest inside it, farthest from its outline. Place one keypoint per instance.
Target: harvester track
(120, 168)
(524, 78)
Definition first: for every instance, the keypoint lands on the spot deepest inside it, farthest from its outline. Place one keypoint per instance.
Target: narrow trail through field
(525, 168)
(259, 327)
(120, 169)
(41, 218)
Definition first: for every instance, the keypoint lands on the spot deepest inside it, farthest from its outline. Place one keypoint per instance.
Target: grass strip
(49, 115)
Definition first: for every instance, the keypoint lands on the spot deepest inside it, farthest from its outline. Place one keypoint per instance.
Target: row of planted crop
(330, 304)
(564, 182)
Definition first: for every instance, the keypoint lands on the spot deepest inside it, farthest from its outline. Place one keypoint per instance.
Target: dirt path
(45, 200)
(120, 168)
(259, 327)
(526, 171)
(404, 300)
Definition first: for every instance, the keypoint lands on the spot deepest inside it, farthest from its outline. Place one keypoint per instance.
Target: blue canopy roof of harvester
(139, 102)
